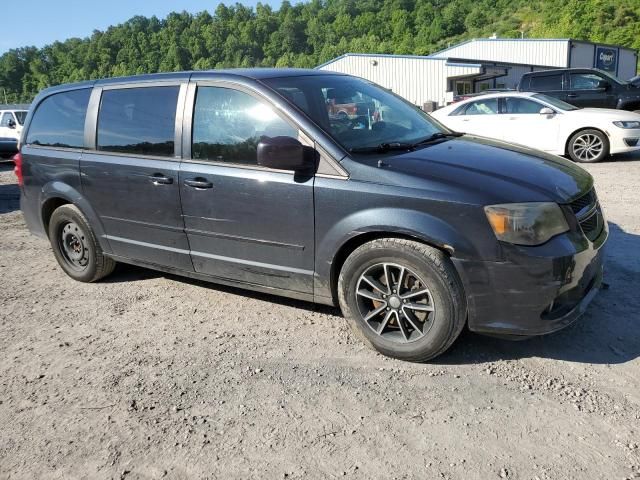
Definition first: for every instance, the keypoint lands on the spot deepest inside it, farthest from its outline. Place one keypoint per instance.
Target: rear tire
(588, 146)
(416, 291)
(75, 246)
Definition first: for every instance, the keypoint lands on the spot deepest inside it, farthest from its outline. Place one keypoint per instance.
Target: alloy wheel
(588, 147)
(395, 302)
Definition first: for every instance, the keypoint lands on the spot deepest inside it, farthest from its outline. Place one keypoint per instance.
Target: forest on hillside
(305, 35)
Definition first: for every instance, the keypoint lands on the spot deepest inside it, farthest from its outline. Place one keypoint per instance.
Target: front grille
(587, 200)
(592, 226)
(589, 214)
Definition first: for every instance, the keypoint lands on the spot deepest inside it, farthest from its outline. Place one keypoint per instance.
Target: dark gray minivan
(250, 178)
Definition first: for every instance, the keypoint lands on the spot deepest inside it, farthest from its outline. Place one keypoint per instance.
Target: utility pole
(5, 96)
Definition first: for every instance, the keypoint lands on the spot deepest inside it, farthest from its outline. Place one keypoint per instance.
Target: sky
(45, 21)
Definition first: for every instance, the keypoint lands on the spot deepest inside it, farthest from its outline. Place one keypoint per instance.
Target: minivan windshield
(357, 114)
(554, 102)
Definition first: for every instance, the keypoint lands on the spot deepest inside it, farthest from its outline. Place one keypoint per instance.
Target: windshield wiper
(383, 147)
(386, 147)
(436, 136)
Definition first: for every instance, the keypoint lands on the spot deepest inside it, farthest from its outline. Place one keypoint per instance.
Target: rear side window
(59, 120)
(546, 83)
(487, 106)
(138, 121)
(228, 124)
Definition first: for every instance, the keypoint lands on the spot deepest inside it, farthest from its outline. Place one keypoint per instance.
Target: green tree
(304, 35)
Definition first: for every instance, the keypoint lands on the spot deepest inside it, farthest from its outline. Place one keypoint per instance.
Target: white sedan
(546, 123)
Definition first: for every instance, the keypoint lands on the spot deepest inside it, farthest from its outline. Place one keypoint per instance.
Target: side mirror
(602, 86)
(547, 111)
(11, 123)
(283, 153)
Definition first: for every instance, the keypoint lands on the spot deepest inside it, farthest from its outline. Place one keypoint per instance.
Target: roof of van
(250, 73)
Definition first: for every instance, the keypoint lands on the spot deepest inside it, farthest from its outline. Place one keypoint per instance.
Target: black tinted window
(138, 120)
(21, 116)
(545, 83)
(59, 120)
(228, 125)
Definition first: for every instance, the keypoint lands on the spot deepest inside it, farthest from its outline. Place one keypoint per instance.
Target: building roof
(20, 106)
(523, 40)
(460, 52)
(384, 55)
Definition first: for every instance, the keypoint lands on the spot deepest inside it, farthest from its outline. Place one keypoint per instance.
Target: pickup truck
(584, 88)
(11, 121)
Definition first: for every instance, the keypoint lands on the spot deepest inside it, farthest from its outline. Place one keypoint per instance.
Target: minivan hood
(482, 169)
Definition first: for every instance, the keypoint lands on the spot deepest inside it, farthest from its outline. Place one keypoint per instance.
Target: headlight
(632, 124)
(526, 223)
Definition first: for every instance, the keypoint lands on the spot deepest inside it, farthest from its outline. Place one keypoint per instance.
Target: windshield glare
(356, 113)
(559, 104)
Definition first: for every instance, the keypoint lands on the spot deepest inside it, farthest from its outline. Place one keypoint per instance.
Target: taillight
(17, 170)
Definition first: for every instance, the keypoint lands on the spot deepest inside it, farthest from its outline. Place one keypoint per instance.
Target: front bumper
(534, 290)
(624, 140)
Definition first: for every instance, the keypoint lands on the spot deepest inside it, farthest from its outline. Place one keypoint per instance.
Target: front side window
(6, 119)
(229, 124)
(546, 83)
(585, 81)
(487, 106)
(138, 121)
(59, 120)
(519, 106)
(355, 113)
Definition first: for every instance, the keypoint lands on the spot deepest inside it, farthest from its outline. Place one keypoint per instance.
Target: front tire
(588, 146)
(75, 246)
(403, 298)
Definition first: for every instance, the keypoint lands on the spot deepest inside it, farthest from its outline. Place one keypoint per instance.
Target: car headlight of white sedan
(627, 124)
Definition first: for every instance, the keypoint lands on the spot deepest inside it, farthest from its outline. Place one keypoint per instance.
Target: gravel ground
(147, 376)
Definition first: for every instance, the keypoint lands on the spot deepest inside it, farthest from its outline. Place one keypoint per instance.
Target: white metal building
(479, 64)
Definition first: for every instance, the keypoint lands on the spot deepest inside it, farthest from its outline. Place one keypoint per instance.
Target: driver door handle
(198, 183)
(572, 95)
(160, 179)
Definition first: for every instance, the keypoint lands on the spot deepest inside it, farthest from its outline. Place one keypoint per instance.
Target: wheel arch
(354, 242)
(48, 207)
(55, 194)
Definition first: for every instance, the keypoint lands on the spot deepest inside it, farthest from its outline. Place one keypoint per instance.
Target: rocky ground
(146, 376)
